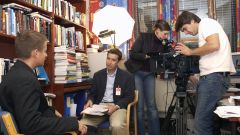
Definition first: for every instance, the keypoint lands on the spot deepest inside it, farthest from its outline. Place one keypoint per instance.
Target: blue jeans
(145, 84)
(210, 90)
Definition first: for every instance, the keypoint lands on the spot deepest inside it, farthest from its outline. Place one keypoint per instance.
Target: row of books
(6, 64)
(68, 37)
(44, 4)
(70, 67)
(15, 18)
(66, 10)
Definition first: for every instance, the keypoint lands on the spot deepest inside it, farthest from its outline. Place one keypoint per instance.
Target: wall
(164, 93)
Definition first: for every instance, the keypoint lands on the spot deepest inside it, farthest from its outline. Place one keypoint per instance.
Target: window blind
(198, 7)
(146, 15)
(226, 16)
(225, 12)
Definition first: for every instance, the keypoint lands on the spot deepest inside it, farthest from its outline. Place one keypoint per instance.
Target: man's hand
(88, 104)
(58, 114)
(112, 109)
(82, 128)
(193, 79)
(183, 49)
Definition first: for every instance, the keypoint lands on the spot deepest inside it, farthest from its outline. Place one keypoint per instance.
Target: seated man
(114, 88)
(21, 94)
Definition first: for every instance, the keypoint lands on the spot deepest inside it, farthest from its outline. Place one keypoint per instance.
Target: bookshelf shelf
(7, 38)
(10, 38)
(76, 1)
(80, 50)
(64, 22)
(76, 86)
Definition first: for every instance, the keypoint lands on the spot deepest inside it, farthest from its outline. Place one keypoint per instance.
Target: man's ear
(34, 53)
(192, 21)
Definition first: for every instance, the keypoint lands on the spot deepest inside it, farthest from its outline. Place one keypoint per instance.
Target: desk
(234, 80)
(234, 122)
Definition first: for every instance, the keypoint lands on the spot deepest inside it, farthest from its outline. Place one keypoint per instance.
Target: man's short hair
(185, 18)
(28, 41)
(162, 25)
(117, 52)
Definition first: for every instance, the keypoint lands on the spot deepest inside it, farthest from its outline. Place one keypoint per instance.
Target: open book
(99, 110)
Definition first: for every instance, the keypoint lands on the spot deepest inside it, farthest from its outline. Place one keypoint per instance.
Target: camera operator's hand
(193, 79)
(183, 49)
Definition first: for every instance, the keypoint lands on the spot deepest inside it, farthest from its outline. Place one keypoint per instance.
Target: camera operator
(215, 65)
(144, 70)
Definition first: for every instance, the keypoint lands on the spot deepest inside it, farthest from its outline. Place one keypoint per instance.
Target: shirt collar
(112, 74)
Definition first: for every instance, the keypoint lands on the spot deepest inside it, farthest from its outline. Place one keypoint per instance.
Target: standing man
(22, 96)
(114, 88)
(215, 65)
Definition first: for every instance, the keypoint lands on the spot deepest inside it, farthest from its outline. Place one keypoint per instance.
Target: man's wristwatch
(118, 107)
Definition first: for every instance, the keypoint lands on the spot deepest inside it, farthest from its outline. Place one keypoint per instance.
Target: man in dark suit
(21, 94)
(114, 88)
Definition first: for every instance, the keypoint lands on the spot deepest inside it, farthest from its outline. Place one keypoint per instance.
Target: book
(41, 74)
(17, 6)
(1, 17)
(36, 14)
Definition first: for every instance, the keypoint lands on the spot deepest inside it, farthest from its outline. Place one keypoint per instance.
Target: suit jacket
(21, 94)
(145, 43)
(123, 80)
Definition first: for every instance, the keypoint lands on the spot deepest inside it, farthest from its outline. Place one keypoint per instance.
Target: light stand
(108, 33)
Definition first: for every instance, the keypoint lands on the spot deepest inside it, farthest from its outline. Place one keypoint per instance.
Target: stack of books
(83, 71)
(65, 65)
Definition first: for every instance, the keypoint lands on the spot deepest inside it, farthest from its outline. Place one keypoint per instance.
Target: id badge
(118, 91)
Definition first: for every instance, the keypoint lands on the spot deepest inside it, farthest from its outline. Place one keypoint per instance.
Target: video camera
(171, 61)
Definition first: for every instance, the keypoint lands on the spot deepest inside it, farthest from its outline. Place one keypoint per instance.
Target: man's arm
(92, 93)
(212, 44)
(129, 91)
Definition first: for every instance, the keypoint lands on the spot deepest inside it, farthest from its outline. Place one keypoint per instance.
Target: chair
(7, 124)
(106, 124)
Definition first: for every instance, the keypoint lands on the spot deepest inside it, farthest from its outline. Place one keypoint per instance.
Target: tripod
(179, 101)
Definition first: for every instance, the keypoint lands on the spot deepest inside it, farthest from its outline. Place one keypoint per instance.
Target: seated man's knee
(117, 124)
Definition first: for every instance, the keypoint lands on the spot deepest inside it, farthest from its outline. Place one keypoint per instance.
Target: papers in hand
(99, 110)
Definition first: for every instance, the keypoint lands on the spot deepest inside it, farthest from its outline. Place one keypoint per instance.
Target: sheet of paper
(228, 111)
(99, 110)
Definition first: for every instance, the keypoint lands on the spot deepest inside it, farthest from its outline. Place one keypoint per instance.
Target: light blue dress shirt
(108, 95)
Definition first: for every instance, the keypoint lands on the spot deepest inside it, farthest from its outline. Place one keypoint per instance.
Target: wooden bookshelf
(8, 51)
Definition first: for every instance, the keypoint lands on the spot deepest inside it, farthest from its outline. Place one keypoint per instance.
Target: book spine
(1, 18)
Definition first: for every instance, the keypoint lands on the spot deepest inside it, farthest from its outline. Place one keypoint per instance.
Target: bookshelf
(7, 46)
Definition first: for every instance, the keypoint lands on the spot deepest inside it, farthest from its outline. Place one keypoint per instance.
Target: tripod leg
(191, 105)
(181, 119)
(169, 115)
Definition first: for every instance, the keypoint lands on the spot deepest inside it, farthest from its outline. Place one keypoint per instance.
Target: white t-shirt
(220, 60)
